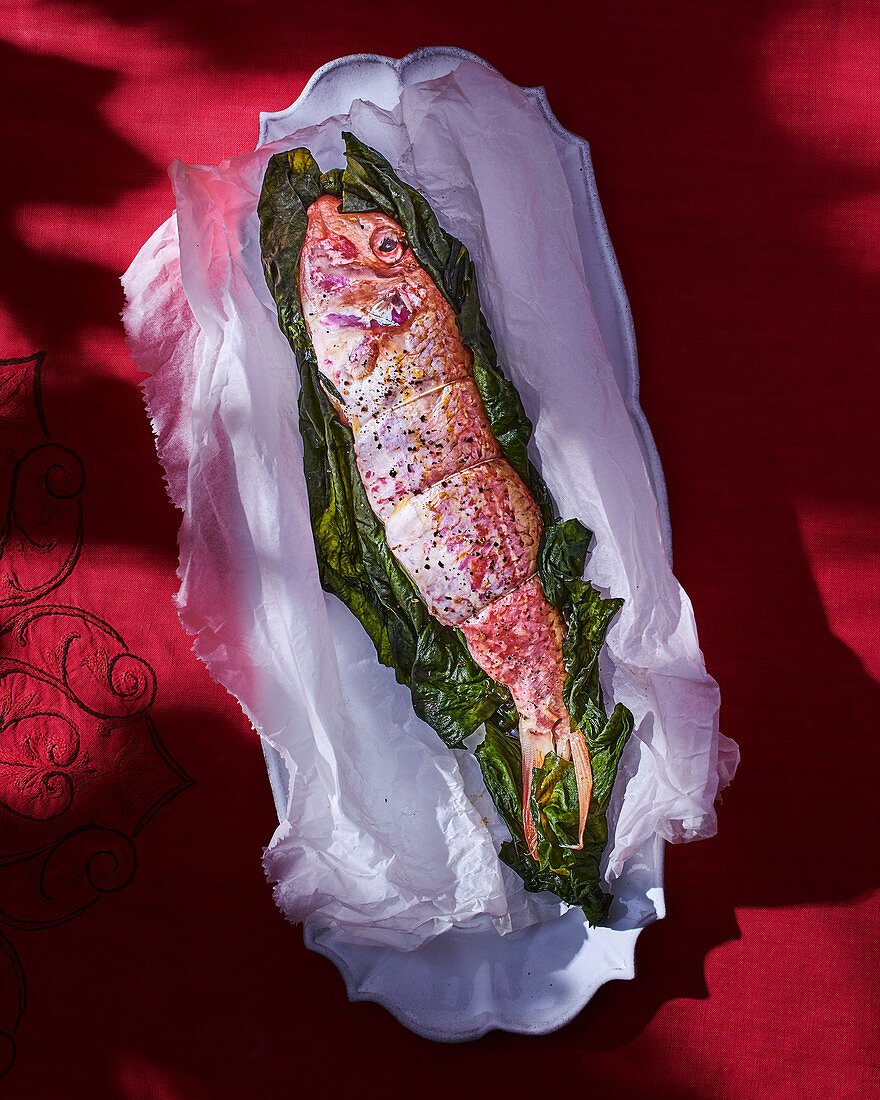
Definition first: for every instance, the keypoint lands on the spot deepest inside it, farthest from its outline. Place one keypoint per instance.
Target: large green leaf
(449, 690)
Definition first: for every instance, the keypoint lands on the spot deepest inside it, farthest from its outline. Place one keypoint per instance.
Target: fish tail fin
(583, 773)
(532, 757)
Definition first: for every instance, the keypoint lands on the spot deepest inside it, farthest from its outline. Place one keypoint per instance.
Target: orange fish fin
(532, 757)
(583, 774)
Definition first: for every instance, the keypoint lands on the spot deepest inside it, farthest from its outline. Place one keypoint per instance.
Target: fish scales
(457, 517)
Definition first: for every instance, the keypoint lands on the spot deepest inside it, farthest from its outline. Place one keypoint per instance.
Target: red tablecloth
(737, 153)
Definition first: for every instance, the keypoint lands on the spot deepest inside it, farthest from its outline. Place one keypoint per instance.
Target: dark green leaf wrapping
(449, 690)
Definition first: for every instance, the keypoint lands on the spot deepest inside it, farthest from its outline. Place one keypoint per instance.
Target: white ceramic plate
(462, 984)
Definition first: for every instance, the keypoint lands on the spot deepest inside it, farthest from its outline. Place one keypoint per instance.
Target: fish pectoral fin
(574, 747)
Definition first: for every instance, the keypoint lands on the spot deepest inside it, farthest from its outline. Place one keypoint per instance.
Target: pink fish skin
(457, 517)
(418, 447)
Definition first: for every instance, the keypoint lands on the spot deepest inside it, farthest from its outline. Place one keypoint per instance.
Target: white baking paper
(389, 837)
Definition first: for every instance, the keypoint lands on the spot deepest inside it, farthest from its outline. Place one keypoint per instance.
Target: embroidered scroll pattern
(82, 768)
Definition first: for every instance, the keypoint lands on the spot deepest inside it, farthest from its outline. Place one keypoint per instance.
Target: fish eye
(388, 244)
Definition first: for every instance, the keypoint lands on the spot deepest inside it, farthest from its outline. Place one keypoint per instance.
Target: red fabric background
(737, 153)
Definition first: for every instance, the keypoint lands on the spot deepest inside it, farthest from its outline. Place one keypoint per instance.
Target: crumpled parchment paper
(389, 836)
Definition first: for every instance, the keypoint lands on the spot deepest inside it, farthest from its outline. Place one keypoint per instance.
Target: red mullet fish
(457, 517)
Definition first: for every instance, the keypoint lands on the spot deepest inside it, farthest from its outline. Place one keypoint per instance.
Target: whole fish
(457, 517)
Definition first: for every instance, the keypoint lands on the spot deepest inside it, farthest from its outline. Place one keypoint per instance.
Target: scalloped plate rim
(626, 369)
(547, 1024)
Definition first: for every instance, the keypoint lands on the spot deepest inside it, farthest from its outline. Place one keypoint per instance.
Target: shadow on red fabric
(754, 293)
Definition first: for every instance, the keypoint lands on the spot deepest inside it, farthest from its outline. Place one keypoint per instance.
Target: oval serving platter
(464, 983)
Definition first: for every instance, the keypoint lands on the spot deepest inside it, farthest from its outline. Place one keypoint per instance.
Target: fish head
(378, 324)
(352, 256)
